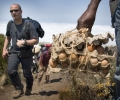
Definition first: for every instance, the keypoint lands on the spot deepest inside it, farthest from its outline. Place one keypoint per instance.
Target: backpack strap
(10, 24)
(25, 29)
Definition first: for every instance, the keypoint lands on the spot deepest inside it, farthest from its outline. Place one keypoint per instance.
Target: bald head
(15, 4)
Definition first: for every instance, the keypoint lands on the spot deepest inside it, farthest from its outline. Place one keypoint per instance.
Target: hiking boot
(17, 93)
(39, 80)
(47, 79)
(28, 91)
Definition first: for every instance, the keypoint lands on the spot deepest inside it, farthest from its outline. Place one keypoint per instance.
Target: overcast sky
(57, 16)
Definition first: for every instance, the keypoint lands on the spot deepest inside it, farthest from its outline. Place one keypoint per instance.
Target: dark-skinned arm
(88, 17)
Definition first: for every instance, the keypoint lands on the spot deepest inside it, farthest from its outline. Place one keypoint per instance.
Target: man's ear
(21, 11)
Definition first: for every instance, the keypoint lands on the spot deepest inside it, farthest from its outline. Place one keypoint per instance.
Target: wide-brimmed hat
(36, 50)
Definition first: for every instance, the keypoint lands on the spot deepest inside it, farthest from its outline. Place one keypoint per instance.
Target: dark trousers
(117, 37)
(13, 62)
(116, 23)
(34, 67)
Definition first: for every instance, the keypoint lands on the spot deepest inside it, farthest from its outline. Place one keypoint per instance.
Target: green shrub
(3, 61)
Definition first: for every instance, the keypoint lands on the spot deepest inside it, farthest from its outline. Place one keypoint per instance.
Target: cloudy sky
(58, 16)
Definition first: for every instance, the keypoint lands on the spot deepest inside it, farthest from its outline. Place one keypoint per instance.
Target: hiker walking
(35, 51)
(43, 65)
(21, 52)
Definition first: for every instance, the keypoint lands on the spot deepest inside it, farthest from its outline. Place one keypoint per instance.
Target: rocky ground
(42, 91)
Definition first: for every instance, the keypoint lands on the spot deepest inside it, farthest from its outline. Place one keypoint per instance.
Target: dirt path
(43, 91)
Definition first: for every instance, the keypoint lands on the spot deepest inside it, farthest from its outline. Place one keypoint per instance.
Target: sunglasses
(14, 11)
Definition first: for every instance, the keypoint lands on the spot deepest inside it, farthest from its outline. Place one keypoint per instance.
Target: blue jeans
(13, 62)
(116, 24)
(117, 38)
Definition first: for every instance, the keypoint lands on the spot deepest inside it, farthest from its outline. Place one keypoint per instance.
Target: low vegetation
(3, 63)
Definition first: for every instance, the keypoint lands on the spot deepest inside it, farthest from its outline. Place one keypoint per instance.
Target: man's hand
(88, 17)
(20, 43)
(5, 54)
(86, 21)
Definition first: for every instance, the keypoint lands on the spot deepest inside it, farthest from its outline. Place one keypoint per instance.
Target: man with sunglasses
(87, 20)
(19, 44)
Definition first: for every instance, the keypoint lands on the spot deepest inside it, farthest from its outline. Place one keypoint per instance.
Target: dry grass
(84, 86)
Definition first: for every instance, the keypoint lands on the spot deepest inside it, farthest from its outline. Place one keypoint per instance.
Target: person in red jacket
(43, 65)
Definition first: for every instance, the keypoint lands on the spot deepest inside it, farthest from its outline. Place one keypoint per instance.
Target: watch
(25, 42)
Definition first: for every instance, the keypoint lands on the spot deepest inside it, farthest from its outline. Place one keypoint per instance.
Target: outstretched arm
(88, 17)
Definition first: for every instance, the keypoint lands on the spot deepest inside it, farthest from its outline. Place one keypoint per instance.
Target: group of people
(20, 51)
(43, 65)
(41, 62)
(20, 44)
